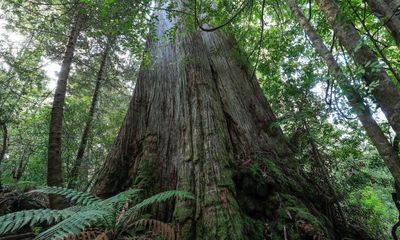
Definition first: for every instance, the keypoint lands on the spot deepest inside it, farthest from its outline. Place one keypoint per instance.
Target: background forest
(308, 85)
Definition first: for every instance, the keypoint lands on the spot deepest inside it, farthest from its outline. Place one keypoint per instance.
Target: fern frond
(14, 221)
(158, 227)
(160, 197)
(120, 198)
(73, 225)
(80, 198)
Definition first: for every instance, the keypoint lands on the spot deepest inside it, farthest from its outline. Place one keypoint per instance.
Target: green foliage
(372, 210)
(112, 215)
(293, 77)
(75, 197)
(14, 221)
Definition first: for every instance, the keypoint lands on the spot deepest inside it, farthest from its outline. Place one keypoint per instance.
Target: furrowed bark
(54, 165)
(388, 11)
(385, 92)
(196, 121)
(362, 111)
(92, 111)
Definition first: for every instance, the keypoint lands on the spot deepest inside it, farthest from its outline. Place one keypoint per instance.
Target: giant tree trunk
(386, 93)
(88, 126)
(198, 122)
(389, 13)
(362, 111)
(54, 165)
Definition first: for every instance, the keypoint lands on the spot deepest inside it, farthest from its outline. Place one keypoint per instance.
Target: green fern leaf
(161, 197)
(73, 225)
(5, 226)
(76, 197)
(14, 221)
(121, 197)
(90, 212)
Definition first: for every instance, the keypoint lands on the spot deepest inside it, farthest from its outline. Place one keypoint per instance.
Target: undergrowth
(93, 218)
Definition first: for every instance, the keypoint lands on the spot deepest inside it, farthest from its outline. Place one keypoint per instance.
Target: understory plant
(116, 217)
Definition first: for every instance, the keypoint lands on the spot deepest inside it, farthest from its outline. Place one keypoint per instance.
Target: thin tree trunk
(196, 119)
(388, 11)
(20, 168)
(3, 149)
(363, 113)
(384, 91)
(54, 165)
(73, 178)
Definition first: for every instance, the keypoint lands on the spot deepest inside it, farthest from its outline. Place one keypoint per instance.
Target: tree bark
(3, 149)
(196, 120)
(388, 11)
(92, 111)
(362, 111)
(20, 168)
(54, 165)
(385, 92)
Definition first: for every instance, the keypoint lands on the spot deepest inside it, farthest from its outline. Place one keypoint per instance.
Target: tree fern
(14, 221)
(118, 199)
(160, 197)
(76, 197)
(73, 225)
(113, 215)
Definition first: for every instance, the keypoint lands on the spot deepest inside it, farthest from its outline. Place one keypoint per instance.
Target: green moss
(290, 179)
(254, 228)
(146, 174)
(261, 169)
(299, 213)
(272, 168)
(227, 180)
(222, 219)
(183, 213)
(304, 214)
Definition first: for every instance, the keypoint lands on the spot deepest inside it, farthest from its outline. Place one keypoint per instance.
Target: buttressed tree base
(197, 120)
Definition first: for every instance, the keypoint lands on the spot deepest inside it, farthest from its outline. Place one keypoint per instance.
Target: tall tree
(362, 111)
(383, 89)
(54, 165)
(196, 121)
(389, 13)
(88, 125)
(3, 147)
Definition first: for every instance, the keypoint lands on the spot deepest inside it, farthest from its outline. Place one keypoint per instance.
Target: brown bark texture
(384, 90)
(73, 178)
(197, 122)
(378, 138)
(388, 11)
(54, 165)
